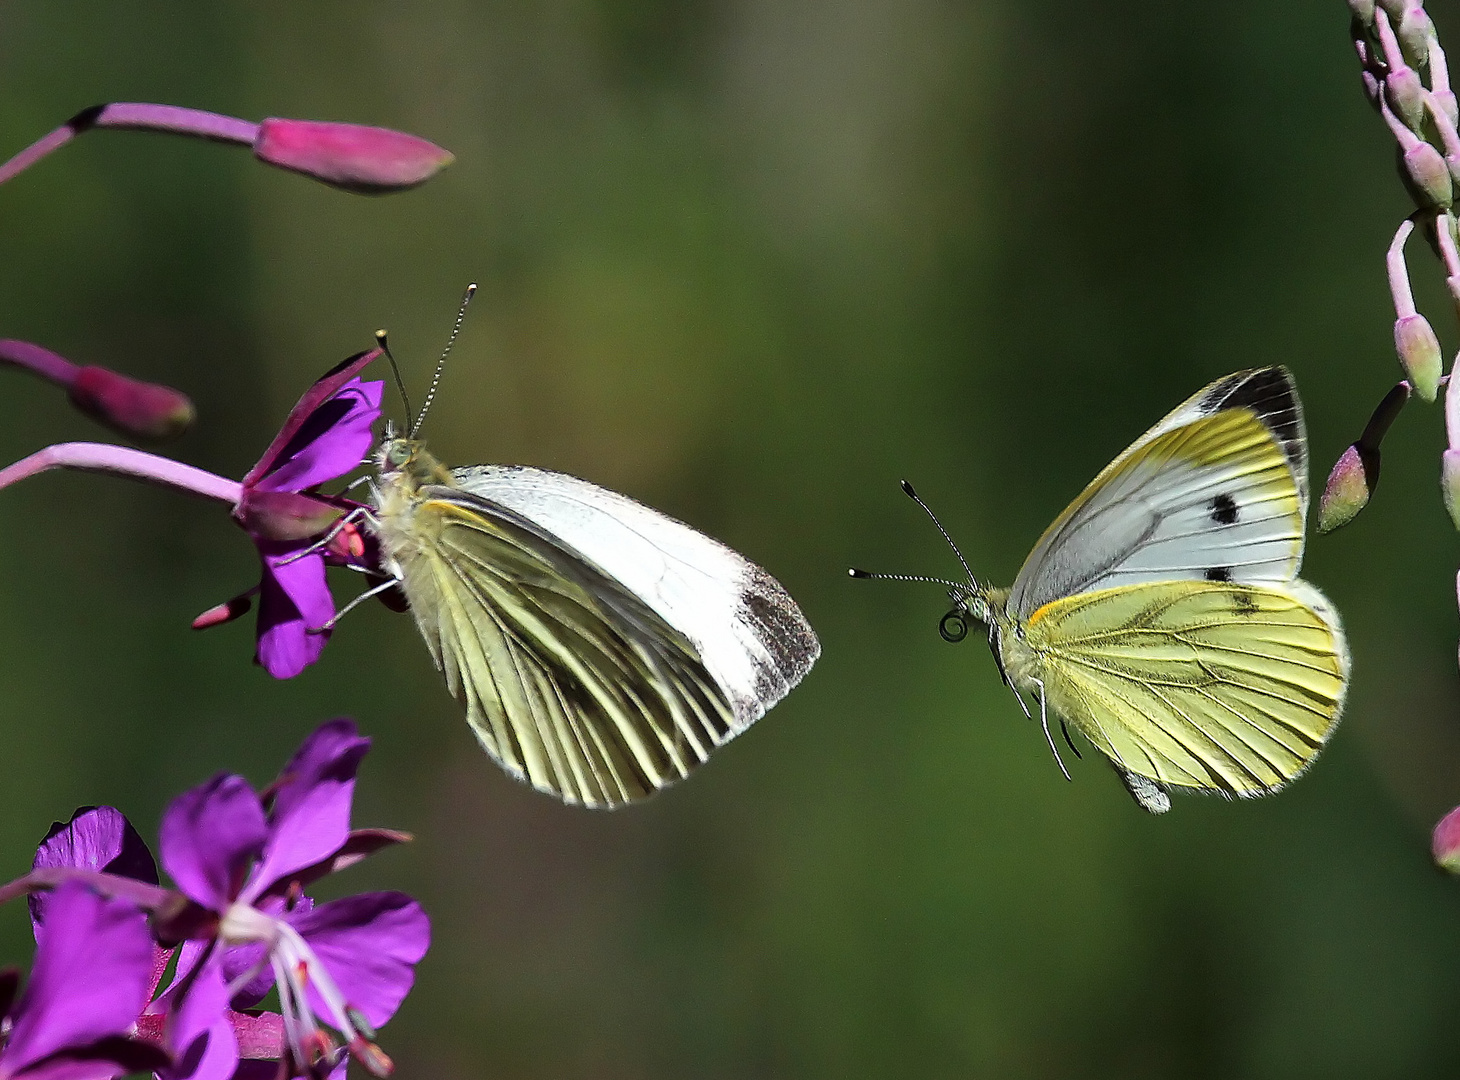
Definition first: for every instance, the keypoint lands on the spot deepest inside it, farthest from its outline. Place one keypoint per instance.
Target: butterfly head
(406, 461)
(971, 600)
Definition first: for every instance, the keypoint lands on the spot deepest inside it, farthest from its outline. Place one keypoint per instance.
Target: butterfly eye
(953, 627)
(398, 455)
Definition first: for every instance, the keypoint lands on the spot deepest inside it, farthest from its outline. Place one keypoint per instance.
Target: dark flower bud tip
(356, 157)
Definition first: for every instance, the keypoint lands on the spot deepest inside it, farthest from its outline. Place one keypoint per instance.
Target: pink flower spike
(1445, 843)
(146, 412)
(369, 160)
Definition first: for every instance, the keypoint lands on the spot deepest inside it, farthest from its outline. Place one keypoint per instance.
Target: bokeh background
(753, 261)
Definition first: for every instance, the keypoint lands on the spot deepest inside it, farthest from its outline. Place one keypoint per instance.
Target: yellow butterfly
(1162, 616)
(600, 649)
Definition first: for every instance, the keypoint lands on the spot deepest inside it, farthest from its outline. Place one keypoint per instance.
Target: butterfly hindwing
(1209, 685)
(568, 680)
(1216, 491)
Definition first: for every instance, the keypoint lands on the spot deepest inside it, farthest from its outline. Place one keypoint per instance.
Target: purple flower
(101, 838)
(326, 435)
(345, 965)
(76, 1019)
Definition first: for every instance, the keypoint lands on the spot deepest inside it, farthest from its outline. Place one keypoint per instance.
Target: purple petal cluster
(327, 434)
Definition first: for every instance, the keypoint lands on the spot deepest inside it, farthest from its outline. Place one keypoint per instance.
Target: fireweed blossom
(101, 838)
(241, 860)
(296, 528)
(76, 1019)
(345, 965)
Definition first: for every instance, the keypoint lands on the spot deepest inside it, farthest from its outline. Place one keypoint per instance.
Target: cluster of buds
(1406, 79)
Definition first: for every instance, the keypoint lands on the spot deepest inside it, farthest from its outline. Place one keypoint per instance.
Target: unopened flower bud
(147, 412)
(1363, 10)
(1414, 29)
(1406, 96)
(222, 613)
(359, 158)
(1352, 481)
(1419, 354)
(1394, 8)
(284, 515)
(1445, 843)
(1427, 176)
(1450, 484)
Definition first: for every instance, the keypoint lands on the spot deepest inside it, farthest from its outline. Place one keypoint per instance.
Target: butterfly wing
(1216, 491)
(745, 627)
(1207, 685)
(569, 676)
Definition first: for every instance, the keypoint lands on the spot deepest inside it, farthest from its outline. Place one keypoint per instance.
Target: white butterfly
(1161, 614)
(601, 649)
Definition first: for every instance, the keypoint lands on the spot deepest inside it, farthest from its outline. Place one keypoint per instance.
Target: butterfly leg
(388, 583)
(357, 514)
(1065, 730)
(1044, 724)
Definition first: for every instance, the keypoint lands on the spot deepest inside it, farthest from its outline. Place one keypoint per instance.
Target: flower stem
(124, 461)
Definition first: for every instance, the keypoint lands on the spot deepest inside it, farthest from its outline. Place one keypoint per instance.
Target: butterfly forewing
(1210, 685)
(1216, 491)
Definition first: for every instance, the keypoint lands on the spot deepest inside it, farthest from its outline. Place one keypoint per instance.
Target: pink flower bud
(371, 160)
(1352, 481)
(1445, 844)
(284, 516)
(1406, 96)
(147, 412)
(225, 612)
(1394, 8)
(1419, 354)
(1427, 175)
(1450, 484)
(1414, 30)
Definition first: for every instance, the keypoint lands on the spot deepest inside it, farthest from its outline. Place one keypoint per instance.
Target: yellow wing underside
(568, 681)
(1207, 685)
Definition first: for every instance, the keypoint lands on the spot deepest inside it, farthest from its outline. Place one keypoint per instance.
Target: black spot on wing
(1219, 573)
(1223, 509)
(1242, 602)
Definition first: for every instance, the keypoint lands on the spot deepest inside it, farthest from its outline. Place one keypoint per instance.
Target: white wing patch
(1216, 491)
(750, 635)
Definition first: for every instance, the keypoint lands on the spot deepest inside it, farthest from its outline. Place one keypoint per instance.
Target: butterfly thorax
(1018, 660)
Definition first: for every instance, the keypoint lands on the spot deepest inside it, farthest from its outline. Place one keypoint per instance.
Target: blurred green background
(752, 262)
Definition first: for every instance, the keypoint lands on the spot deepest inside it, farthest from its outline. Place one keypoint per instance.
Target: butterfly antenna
(915, 497)
(867, 575)
(471, 291)
(400, 384)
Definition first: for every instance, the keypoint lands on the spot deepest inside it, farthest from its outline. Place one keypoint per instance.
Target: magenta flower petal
(200, 1036)
(294, 602)
(323, 389)
(96, 838)
(210, 837)
(310, 817)
(370, 944)
(333, 439)
(92, 972)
